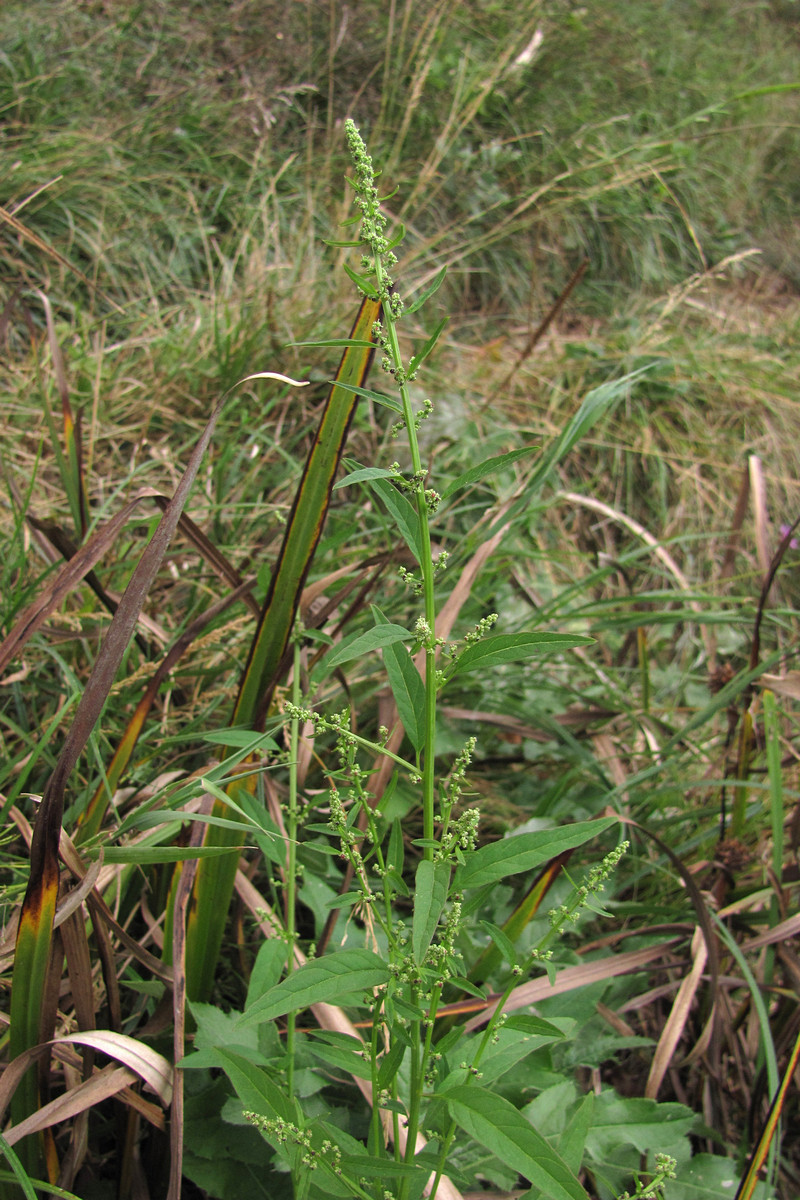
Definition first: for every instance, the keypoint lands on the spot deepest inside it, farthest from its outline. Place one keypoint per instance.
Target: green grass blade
(215, 877)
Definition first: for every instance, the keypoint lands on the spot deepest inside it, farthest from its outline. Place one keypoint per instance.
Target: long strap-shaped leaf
(215, 877)
(35, 930)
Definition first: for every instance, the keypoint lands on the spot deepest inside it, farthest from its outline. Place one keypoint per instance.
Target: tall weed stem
(377, 264)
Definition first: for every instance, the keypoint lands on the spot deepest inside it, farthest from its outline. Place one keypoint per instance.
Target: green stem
(427, 575)
(291, 861)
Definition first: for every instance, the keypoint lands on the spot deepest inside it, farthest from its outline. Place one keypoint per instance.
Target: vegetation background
(610, 186)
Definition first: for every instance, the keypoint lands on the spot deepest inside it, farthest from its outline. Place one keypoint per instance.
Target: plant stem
(291, 859)
(427, 574)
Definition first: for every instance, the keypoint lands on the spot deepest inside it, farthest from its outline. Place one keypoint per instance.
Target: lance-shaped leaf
(430, 896)
(320, 980)
(215, 877)
(514, 647)
(72, 469)
(497, 860)
(493, 1121)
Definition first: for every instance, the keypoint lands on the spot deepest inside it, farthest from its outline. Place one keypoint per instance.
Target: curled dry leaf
(783, 685)
(142, 1060)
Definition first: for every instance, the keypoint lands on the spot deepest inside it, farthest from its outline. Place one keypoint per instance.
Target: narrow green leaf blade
(419, 359)
(215, 877)
(364, 285)
(496, 861)
(502, 942)
(430, 895)
(403, 512)
(493, 1121)
(427, 292)
(363, 474)
(322, 979)
(514, 647)
(336, 344)
(358, 644)
(408, 691)
(489, 467)
(369, 394)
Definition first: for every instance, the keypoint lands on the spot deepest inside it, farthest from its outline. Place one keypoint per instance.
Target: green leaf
(419, 359)
(358, 644)
(573, 1140)
(595, 405)
(322, 979)
(430, 895)
(491, 465)
(403, 512)
(534, 1026)
(241, 738)
(494, 1123)
(408, 691)
(502, 941)
(513, 1047)
(395, 855)
(159, 854)
(426, 293)
(513, 647)
(358, 1165)
(369, 394)
(635, 1121)
(362, 474)
(365, 285)
(345, 1058)
(338, 343)
(407, 686)
(494, 862)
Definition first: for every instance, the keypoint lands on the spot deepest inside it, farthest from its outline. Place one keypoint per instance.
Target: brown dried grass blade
(35, 931)
(92, 816)
(567, 980)
(28, 234)
(66, 547)
(758, 488)
(729, 557)
(543, 326)
(676, 1022)
(66, 580)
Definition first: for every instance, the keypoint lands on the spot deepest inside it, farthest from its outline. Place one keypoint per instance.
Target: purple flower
(793, 544)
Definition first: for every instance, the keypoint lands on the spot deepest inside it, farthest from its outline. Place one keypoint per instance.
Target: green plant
(200, 219)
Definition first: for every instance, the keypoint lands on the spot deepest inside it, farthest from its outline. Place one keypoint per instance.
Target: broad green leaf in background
(497, 860)
(495, 1123)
